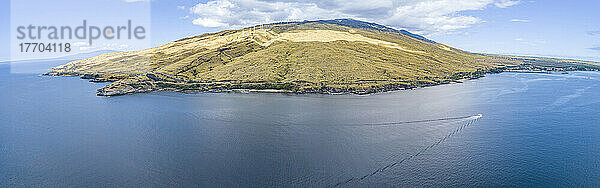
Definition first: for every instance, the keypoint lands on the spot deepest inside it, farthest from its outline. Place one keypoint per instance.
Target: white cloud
(86, 48)
(207, 22)
(421, 16)
(80, 44)
(531, 42)
(519, 20)
(180, 7)
(105, 46)
(594, 33)
(506, 3)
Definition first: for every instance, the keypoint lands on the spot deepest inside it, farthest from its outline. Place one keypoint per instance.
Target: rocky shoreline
(152, 82)
(125, 84)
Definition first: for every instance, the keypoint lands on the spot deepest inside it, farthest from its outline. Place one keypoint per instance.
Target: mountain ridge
(363, 24)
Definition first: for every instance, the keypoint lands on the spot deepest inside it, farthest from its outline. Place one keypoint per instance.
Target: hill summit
(323, 56)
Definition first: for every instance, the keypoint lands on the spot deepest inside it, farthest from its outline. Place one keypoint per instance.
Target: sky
(551, 28)
(85, 22)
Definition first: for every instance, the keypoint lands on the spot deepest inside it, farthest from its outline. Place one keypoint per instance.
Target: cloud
(506, 3)
(207, 22)
(421, 16)
(181, 7)
(594, 33)
(595, 48)
(531, 42)
(106, 46)
(80, 44)
(519, 20)
(86, 48)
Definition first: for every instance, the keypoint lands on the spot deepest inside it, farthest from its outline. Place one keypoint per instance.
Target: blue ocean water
(536, 130)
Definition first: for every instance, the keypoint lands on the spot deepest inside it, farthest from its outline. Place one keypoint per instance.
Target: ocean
(503, 130)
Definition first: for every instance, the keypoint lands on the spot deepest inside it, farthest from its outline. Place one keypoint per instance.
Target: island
(322, 56)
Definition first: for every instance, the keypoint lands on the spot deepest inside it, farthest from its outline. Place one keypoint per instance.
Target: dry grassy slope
(323, 53)
(208, 57)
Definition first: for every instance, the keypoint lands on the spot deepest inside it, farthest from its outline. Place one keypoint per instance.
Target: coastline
(126, 84)
(159, 85)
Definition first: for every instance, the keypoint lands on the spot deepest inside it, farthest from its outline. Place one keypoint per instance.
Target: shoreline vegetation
(164, 85)
(341, 56)
(258, 87)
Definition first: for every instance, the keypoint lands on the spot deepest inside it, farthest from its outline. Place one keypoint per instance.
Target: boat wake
(470, 121)
(221, 119)
(474, 117)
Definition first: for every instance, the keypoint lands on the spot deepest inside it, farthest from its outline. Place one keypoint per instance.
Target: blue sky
(552, 28)
(4, 30)
(540, 28)
(57, 14)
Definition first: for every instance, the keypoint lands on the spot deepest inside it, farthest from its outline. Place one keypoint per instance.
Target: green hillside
(313, 56)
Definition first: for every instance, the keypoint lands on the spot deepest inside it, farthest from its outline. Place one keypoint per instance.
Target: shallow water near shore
(534, 130)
